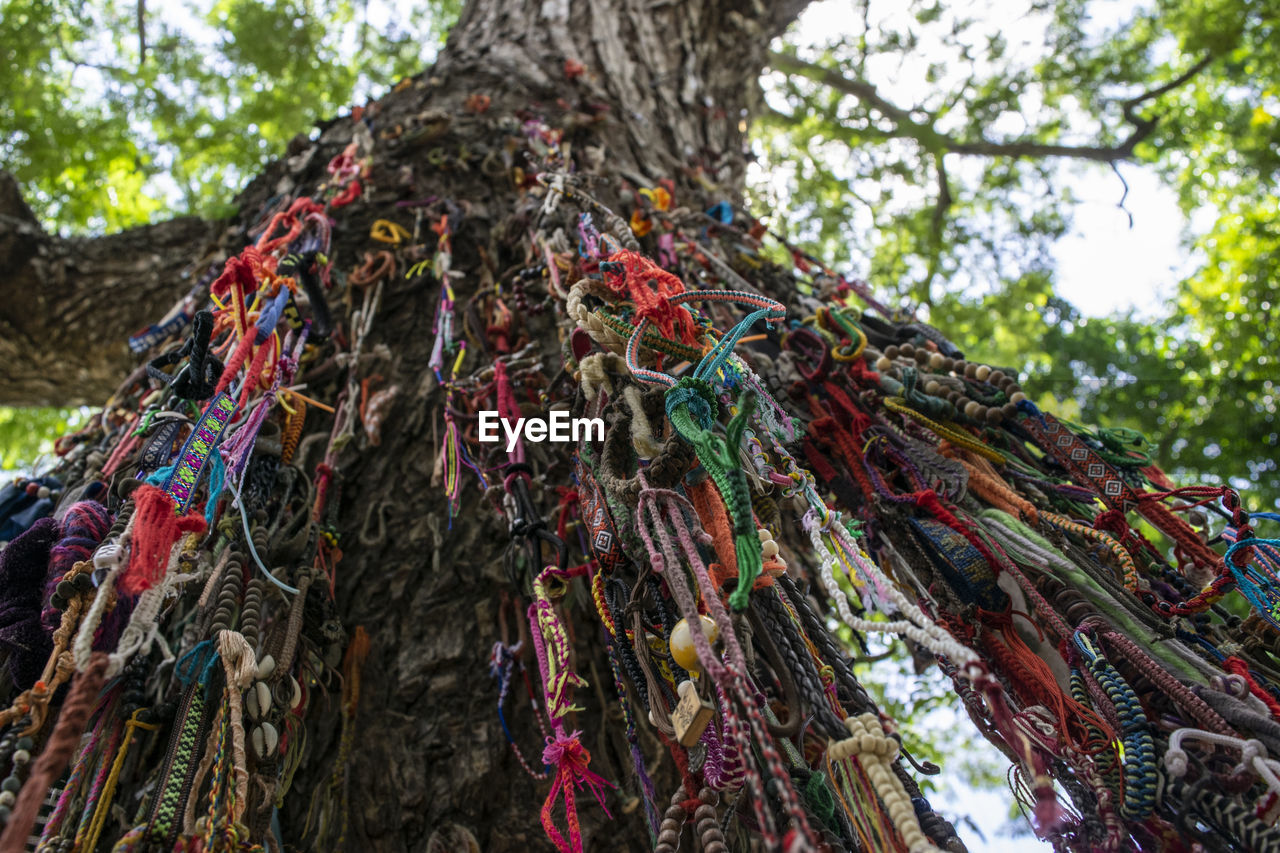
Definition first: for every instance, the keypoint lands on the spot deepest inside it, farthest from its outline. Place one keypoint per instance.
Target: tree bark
(665, 93)
(67, 306)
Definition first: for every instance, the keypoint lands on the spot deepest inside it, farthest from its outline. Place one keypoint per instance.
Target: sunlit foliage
(931, 147)
(122, 115)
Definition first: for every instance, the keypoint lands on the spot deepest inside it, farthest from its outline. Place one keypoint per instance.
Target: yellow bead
(682, 649)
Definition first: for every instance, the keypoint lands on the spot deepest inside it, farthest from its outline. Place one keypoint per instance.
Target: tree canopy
(952, 198)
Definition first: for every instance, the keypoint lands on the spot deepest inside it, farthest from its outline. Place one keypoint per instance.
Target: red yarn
(254, 375)
(1237, 666)
(928, 500)
(1113, 521)
(827, 433)
(1179, 531)
(348, 195)
(569, 499)
(156, 527)
(1032, 679)
(681, 758)
(292, 219)
(818, 462)
(651, 287)
(1156, 476)
(864, 375)
(234, 364)
(836, 394)
(238, 278)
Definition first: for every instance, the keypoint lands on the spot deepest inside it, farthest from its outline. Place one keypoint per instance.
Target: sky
(1105, 264)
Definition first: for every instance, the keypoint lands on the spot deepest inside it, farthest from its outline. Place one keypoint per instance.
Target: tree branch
(142, 33)
(936, 225)
(1029, 148)
(1129, 106)
(863, 91)
(936, 142)
(67, 300)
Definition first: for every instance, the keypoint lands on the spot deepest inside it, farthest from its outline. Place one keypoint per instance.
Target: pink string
(564, 752)
(653, 504)
(508, 408)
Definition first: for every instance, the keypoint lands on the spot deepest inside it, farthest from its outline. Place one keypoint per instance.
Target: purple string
(676, 583)
(104, 770)
(540, 652)
(69, 790)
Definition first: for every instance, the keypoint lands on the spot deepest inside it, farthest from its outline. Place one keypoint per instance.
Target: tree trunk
(664, 94)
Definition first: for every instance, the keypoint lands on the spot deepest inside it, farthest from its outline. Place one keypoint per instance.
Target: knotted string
(570, 758)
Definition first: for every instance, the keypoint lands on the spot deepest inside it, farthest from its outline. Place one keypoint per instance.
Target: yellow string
(108, 790)
(850, 329)
(386, 231)
(952, 434)
(597, 595)
(305, 398)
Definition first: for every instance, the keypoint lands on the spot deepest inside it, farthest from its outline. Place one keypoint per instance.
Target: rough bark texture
(67, 307)
(665, 94)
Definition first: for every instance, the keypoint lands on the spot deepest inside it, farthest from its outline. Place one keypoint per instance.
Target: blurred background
(1084, 190)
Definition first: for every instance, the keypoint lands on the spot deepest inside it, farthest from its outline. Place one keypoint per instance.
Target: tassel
(1047, 814)
(157, 526)
(570, 758)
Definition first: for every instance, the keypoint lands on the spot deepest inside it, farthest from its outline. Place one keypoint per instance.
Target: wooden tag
(691, 716)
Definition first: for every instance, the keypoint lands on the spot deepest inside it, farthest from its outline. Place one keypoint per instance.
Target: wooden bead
(936, 360)
(704, 812)
(954, 396)
(882, 364)
(1017, 397)
(982, 373)
(948, 364)
(972, 409)
(995, 415)
(1010, 410)
(971, 370)
(932, 387)
(907, 350)
(997, 378)
(669, 837)
(922, 356)
(962, 402)
(891, 351)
